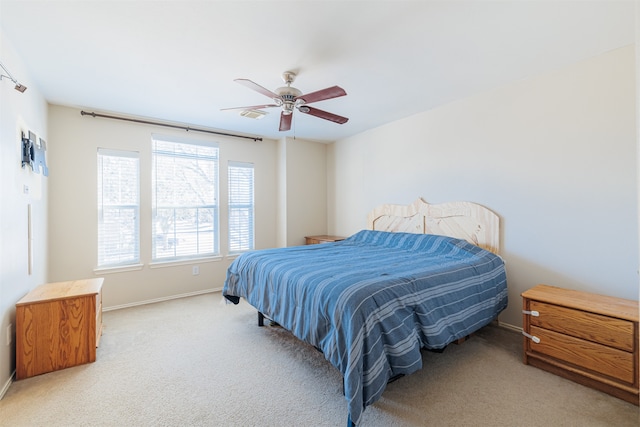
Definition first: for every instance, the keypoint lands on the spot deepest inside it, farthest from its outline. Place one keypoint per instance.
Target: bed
(420, 276)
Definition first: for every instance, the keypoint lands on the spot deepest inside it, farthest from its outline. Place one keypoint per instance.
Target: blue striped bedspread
(373, 300)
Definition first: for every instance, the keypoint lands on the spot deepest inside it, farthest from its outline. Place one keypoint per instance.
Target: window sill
(117, 269)
(235, 255)
(163, 264)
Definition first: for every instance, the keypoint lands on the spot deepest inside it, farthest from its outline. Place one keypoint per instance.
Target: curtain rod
(187, 128)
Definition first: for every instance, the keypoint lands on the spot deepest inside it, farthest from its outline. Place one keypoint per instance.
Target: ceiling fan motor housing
(288, 93)
(287, 98)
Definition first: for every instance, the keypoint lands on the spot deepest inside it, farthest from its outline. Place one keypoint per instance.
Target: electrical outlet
(195, 270)
(9, 334)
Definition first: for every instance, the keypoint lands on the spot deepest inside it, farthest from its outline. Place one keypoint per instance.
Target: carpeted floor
(198, 362)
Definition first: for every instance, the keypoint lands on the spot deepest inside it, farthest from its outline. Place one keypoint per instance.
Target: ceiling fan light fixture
(253, 114)
(287, 108)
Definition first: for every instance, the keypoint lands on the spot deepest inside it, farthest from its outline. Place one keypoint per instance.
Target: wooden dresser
(588, 338)
(314, 240)
(58, 325)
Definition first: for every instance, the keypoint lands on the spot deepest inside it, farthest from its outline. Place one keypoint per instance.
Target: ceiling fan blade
(257, 88)
(285, 121)
(251, 107)
(323, 114)
(321, 95)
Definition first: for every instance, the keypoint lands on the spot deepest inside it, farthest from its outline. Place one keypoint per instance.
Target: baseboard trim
(7, 385)
(517, 329)
(155, 300)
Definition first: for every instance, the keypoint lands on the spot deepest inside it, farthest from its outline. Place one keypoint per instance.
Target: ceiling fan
(289, 98)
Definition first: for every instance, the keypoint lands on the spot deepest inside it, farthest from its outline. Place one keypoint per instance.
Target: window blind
(241, 206)
(185, 199)
(118, 208)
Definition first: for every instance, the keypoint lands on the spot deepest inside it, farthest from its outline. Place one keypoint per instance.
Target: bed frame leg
(260, 319)
(463, 339)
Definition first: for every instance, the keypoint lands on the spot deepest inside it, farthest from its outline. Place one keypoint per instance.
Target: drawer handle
(533, 338)
(532, 312)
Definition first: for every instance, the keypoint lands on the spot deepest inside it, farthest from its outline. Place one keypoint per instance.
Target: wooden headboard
(463, 220)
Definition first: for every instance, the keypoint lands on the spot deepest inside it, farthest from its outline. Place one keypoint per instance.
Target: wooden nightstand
(58, 325)
(588, 338)
(314, 240)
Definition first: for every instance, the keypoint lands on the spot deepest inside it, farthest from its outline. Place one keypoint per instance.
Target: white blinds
(118, 208)
(185, 199)
(241, 208)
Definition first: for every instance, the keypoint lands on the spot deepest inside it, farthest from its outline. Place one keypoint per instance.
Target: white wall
(637, 115)
(73, 206)
(553, 155)
(302, 180)
(282, 194)
(306, 191)
(19, 112)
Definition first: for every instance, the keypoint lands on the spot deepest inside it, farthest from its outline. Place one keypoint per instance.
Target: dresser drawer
(605, 330)
(595, 357)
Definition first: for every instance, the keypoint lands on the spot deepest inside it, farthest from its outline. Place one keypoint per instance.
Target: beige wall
(73, 212)
(637, 116)
(302, 181)
(282, 194)
(306, 190)
(553, 155)
(19, 112)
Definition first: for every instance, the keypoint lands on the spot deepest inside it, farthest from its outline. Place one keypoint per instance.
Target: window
(118, 208)
(240, 207)
(185, 199)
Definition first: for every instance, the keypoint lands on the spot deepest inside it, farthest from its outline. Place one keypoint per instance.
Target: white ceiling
(176, 60)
